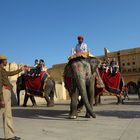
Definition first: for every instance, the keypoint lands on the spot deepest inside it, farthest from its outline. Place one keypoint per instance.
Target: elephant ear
(69, 79)
(94, 62)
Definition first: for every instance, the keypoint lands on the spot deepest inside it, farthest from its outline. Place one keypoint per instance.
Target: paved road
(113, 122)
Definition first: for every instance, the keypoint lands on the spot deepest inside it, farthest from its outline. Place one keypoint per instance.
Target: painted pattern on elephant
(79, 78)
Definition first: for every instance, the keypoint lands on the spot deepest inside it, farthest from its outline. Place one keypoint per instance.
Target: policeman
(5, 89)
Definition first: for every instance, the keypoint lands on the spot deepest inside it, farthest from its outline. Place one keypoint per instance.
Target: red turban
(80, 38)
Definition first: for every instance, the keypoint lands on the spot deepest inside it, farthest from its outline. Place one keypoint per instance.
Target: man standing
(5, 89)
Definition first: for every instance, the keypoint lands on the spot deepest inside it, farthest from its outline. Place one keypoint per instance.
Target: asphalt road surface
(113, 122)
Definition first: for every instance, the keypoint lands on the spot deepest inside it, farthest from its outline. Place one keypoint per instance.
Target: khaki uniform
(5, 88)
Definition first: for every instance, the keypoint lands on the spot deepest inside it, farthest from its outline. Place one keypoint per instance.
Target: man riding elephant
(79, 78)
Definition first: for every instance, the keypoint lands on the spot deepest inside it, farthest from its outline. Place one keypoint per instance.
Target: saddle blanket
(35, 85)
(111, 81)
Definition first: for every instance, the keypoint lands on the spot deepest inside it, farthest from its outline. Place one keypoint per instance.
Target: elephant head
(79, 74)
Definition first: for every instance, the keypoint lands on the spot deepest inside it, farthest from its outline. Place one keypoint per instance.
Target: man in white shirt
(80, 47)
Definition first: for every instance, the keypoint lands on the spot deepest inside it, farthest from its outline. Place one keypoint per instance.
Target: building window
(133, 63)
(128, 63)
(129, 70)
(133, 58)
(123, 70)
(123, 64)
(134, 70)
(139, 69)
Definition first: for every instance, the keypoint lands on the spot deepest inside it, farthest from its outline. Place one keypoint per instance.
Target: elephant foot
(79, 110)
(72, 117)
(118, 103)
(95, 104)
(50, 104)
(34, 105)
(24, 105)
(93, 115)
(87, 116)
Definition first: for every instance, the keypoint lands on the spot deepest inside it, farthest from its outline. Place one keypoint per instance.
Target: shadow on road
(58, 113)
(119, 114)
(32, 113)
(38, 113)
(61, 115)
(131, 102)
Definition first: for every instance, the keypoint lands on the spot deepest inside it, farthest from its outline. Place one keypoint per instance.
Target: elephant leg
(52, 96)
(48, 93)
(119, 100)
(96, 100)
(25, 100)
(73, 105)
(26, 97)
(90, 98)
(32, 98)
(80, 105)
(49, 102)
(139, 93)
(18, 97)
(99, 99)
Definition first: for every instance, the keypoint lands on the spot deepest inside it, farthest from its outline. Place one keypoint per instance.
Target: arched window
(133, 63)
(128, 63)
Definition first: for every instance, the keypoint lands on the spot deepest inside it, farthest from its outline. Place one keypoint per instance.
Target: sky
(48, 29)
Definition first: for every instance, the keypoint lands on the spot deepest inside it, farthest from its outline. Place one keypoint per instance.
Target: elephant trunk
(86, 101)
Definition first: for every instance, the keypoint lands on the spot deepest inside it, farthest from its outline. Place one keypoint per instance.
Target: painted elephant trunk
(88, 106)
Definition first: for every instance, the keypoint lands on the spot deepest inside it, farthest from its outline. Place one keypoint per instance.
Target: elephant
(49, 91)
(101, 90)
(79, 78)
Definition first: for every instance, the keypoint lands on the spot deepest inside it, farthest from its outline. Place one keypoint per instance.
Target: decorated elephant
(113, 85)
(79, 78)
(49, 90)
